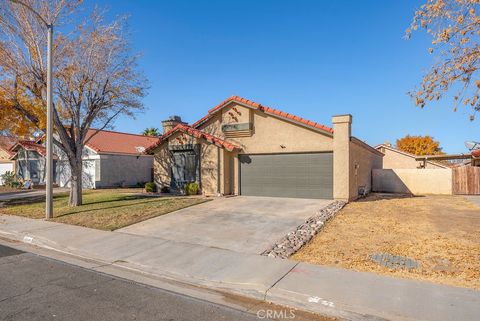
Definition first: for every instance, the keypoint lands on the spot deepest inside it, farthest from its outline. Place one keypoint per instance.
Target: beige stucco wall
(393, 159)
(413, 181)
(363, 159)
(210, 172)
(341, 157)
(270, 134)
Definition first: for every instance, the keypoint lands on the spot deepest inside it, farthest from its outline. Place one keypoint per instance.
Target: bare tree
(454, 26)
(96, 78)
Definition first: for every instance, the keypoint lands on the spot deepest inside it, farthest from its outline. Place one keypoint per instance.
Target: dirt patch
(6, 189)
(442, 233)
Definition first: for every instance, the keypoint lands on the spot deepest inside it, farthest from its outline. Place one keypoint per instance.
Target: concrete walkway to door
(244, 224)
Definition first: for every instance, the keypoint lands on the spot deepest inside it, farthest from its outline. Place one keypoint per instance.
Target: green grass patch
(102, 209)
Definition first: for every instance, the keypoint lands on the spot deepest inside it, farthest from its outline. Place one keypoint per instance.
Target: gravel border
(294, 240)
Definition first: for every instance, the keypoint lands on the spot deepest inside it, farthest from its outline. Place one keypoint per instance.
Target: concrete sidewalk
(335, 292)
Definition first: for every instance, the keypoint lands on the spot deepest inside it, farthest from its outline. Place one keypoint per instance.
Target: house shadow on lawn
(64, 196)
(100, 208)
(375, 196)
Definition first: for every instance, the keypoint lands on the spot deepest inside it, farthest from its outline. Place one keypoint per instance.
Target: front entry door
(184, 169)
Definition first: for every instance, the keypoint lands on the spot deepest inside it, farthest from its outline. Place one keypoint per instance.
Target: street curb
(31, 239)
(332, 292)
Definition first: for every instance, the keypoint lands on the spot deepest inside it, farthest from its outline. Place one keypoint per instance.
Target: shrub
(165, 189)
(191, 189)
(10, 179)
(150, 187)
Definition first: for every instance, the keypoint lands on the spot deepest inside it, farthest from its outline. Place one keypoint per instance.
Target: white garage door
(5, 167)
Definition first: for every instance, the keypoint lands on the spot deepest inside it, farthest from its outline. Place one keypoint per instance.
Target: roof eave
(216, 109)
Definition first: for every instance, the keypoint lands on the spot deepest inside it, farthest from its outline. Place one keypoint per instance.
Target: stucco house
(110, 159)
(29, 157)
(244, 148)
(397, 159)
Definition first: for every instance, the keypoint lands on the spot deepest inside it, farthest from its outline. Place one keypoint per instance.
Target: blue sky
(314, 59)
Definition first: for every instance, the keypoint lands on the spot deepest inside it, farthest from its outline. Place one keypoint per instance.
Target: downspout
(218, 171)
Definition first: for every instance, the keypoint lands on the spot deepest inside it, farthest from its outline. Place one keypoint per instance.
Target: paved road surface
(36, 288)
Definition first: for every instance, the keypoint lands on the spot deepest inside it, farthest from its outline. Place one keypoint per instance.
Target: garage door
(287, 175)
(5, 167)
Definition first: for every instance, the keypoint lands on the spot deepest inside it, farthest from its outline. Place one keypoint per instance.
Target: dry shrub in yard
(442, 233)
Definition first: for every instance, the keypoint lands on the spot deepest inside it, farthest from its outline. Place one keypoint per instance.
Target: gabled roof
(195, 133)
(408, 154)
(111, 142)
(265, 109)
(30, 146)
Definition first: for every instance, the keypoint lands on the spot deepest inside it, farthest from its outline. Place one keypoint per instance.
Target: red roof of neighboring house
(476, 153)
(195, 133)
(265, 109)
(106, 141)
(31, 146)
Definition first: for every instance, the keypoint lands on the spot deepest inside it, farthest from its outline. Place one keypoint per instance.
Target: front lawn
(101, 209)
(441, 233)
(6, 189)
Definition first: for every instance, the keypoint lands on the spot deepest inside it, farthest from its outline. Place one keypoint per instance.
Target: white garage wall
(64, 173)
(5, 167)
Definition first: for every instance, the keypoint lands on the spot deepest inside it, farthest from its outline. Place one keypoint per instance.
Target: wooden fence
(466, 180)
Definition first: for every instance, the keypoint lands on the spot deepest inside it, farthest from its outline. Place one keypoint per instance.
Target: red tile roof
(198, 134)
(30, 146)
(110, 142)
(265, 109)
(476, 153)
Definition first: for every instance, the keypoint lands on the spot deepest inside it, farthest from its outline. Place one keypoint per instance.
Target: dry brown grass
(440, 232)
(6, 189)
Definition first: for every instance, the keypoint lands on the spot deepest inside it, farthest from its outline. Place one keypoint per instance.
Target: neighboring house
(243, 148)
(29, 157)
(397, 159)
(6, 164)
(111, 159)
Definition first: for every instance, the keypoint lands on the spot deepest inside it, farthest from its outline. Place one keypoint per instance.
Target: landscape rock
(295, 240)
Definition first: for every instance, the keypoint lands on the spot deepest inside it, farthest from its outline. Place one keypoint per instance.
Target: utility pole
(49, 187)
(49, 134)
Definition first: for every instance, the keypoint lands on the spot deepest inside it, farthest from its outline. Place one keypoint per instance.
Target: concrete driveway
(243, 224)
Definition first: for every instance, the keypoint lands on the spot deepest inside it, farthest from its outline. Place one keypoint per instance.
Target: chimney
(171, 122)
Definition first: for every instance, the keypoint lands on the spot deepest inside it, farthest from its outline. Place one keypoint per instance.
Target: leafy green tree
(151, 131)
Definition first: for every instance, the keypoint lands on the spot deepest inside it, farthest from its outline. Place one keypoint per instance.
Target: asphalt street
(34, 287)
